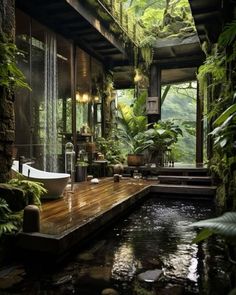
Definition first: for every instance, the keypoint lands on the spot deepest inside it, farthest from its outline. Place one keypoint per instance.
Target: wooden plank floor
(69, 220)
(86, 202)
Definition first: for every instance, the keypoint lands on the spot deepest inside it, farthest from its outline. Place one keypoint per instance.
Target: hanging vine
(10, 75)
(220, 66)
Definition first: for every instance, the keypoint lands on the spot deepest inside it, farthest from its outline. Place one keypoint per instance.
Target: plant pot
(81, 173)
(135, 159)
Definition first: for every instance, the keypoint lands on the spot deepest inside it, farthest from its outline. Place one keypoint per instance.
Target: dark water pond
(155, 236)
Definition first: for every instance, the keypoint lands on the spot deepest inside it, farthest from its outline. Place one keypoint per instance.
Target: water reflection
(155, 236)
(124, 263)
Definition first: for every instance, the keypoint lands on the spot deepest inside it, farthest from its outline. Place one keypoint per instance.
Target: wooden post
(31, 219)
(73, 92)
(199, 128)
(155, 92)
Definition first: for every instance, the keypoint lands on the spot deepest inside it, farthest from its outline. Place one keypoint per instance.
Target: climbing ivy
(219, 72)
(10, 76)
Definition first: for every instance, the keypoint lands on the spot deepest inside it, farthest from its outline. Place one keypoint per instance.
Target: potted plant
(81, 166)
(110, 147)
(81, 171)
(131, 132)
(162, 137)
(137, 145)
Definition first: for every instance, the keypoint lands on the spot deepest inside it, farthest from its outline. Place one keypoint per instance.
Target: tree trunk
(7, 123)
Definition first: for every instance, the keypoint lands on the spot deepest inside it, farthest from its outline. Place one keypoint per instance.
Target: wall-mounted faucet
(21, 162)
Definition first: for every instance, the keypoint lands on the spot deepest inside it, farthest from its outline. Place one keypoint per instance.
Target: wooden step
(197, 171)
(184, 179)
(196, 190)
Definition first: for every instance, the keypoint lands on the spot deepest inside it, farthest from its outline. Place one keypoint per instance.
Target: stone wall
(7, 124)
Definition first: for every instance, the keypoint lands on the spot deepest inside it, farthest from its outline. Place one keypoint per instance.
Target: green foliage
(190, 127)
(152, 17)
(111, 149)
(162, 136)
(228, 35)
(147, 51)
(180, 106)
(224, 133)
(10, 76)
(33, 190)
(129, 122)
(202, 235)
(9, 223)
(217, 82)
(226, 115)
(132, 126)
(213, 67)
(224, 225)
(139, 104)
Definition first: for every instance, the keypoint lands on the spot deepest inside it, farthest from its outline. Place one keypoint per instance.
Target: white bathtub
(54, 183)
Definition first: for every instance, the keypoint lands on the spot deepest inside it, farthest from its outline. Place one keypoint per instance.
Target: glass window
(22, 96)
(83, 89)
(43, 115)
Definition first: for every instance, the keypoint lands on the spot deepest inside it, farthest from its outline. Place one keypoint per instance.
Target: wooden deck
(67, 221)
(88, 201)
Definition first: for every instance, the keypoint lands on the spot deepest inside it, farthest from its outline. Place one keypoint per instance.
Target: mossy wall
(7, 123)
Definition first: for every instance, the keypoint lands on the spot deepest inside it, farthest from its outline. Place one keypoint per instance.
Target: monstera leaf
(224, 225)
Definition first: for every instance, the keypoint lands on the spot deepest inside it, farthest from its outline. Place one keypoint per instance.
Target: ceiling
(76, 20)
(208, 17)
(177, 57)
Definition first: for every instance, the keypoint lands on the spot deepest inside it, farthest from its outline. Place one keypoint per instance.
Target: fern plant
(220, 67)
(9, 222)
(34, 190)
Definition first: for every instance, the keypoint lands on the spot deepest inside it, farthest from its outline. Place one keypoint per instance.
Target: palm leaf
(224, 225)
(225, 115)
(202, 235)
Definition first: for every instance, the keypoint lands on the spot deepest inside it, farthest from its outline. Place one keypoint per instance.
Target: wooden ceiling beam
(103, 46)
(207, 17)
(83, 45)
(180, 62)
(108, 51)
(96, 24)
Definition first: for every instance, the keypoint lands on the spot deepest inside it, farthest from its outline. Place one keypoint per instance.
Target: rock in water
(150, 276)
(109, 291)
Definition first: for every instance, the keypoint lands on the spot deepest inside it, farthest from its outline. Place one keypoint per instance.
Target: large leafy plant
(217, 79)
(111, 149)
(132, 127)
(224, 132)
(163, 135)
(224, 225)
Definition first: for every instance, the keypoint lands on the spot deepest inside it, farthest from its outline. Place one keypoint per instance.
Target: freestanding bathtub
(54, 183)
